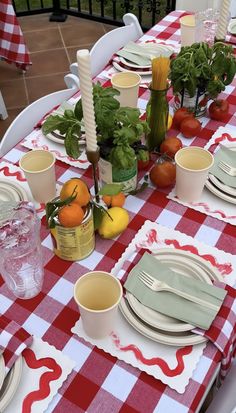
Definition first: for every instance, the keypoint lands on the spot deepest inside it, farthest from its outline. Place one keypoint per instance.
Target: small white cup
(98, 294)
(39, 169)
(192, 166)
(188, 30)
(128, 85)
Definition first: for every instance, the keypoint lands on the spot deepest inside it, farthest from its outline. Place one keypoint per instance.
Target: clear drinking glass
(21, 263)
(208, 21)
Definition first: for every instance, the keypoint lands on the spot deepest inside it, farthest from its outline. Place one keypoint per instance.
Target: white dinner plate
(122, 69)
(172, 339)
(12, 191)
(56, 137)
(220, 194)
(133, 65)
(221, 186)
(156, 319)
(2, 371)
(232, 27)
(181, 265)
(10, 384)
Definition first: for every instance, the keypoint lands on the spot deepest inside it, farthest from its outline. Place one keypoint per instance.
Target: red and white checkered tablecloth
(12, 45)
(100, 382)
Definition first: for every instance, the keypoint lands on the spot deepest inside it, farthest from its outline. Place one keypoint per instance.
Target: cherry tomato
(170, 146)
(190, 127)
(180, 115)
(218, 110)
(163, 174)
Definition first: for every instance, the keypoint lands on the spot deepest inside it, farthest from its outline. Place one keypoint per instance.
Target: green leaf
(139, 189)
(72, 144)
(78, 110)
(98, 214)
(111, 189)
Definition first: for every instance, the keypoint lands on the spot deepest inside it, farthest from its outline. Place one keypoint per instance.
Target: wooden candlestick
(93, 158)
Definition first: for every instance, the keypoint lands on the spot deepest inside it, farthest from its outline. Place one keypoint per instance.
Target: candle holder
(93, 158)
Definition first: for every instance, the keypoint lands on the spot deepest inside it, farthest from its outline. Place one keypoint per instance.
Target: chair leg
(3, 110)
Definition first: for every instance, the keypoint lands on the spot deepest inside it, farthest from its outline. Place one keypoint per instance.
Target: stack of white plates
(157, 326)
(9, 384)
(11, 191)
(221, 190)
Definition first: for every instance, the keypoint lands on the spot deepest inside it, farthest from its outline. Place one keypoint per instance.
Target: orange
(71, 215)
(81, 191)
(117, 200)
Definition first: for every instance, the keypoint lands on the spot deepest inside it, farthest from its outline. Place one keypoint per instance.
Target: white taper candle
(86, 88)
(223, 20)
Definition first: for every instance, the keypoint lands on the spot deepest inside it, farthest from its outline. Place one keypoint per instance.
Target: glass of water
(21, 264)
(208, 21)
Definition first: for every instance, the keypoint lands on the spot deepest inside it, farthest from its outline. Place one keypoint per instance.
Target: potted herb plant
(119, 133)
(199, 73)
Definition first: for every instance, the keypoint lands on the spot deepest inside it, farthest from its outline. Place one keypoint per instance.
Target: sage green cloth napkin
(171, 304)
(134, 58)
(228, 156)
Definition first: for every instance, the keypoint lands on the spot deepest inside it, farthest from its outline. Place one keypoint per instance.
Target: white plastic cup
(192, 166)
(128, 85)
(39, 169)
(188, 30)
(98, 294)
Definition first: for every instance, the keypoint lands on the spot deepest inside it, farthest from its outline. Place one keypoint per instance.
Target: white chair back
(24, 123)
(112, 41)
(3, 110)
(225, 399)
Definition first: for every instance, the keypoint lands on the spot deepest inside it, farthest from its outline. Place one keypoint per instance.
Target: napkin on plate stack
(228, 156)
(13, 340)
(169, 303)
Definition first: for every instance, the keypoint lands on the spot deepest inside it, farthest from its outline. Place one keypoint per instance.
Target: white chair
(225, 399)
(110, 42)
(3, 110)
(24, 123)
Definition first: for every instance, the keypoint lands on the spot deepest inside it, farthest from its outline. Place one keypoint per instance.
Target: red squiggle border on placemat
(224, 136)
(6, 171)
(152, 238)
(155, 361)
(57, 153)
(223, 268)
(45, 379)
(217, 211)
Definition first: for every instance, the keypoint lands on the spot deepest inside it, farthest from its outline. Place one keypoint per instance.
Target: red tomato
(170, 146)
(142, 164)
(180, 115)
(163, 174)
(218, 110)
(190, 127)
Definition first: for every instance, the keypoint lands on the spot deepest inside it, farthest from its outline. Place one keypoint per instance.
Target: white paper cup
(98, 294)
(188, 30)
(39, 169)
(128, 85)
(192, 166)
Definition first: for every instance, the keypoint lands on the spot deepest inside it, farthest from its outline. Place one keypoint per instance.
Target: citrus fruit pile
(72, 214)
(116, 219)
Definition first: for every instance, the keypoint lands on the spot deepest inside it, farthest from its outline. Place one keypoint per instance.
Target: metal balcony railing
(148, 12)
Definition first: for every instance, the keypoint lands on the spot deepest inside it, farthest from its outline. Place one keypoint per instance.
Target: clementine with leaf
(77, 187)
(71, 215)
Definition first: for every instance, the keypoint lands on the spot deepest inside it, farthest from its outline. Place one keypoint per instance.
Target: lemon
(110, 228)
(169, 123)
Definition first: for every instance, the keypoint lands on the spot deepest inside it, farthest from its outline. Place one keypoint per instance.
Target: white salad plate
(229, 190)
(219, 193)
(122, 69)
(133, 65)
(56, 137)
(10, 384)
(184, 338)
(2, 371)
(11, 191)
(157, 326)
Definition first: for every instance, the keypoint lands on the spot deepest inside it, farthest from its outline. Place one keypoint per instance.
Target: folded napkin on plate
(169, 303)
(223, 154)
(13, 340)
(132, 57)
(222, 332)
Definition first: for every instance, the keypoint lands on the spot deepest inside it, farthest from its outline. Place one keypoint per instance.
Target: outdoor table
(100, 382)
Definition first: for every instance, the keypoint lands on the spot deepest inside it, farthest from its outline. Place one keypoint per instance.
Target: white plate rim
(154, 335)
(145, 313)
(55, 139)
(21, 191)
(232, 23)
(2, 371)
(122, 69)
(126, 62)
(218, 193)
(221, 186)
(5, 187)
(14, 381)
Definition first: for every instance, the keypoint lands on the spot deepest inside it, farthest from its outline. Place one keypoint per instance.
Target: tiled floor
(52, 48)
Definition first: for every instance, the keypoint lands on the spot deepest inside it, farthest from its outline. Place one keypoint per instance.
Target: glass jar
(157, 117)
